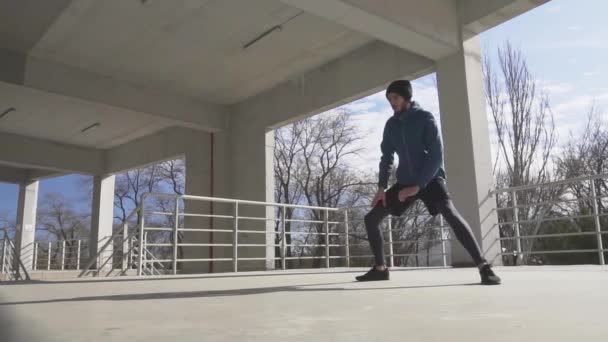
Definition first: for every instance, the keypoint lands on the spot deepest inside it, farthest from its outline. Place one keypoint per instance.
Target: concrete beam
(481, 15)
(402, 23)
(32, 153)
(40, 174)
(164, 145)
(19, 175)
(12, 175)
(351, 77)
(33, 72)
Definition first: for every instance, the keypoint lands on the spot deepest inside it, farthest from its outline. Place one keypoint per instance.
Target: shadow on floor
(206, 276)
(228, 293)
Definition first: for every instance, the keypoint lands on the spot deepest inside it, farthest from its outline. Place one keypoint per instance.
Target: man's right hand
(380, 197)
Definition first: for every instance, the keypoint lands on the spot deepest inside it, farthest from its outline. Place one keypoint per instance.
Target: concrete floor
(533, 304)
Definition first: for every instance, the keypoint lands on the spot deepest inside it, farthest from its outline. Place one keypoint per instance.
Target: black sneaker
(487, 276)
(374, 275)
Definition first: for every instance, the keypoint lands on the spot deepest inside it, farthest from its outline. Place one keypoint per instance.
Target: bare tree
(525, 130)
(585, 154)
(311, 168)
(59, 220)
(163, 177)
(287, 189)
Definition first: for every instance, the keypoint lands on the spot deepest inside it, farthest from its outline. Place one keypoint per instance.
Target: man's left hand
(410, 191)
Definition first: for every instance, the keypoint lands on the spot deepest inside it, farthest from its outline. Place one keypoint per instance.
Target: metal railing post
(326, 223)
(443, 247)
(141, 242)
(598, 227)
(125, 245)
(78, 255)
(63, 255)
(175, 235)
(346, 231)
(516, 226)
(48, 266)
(35, 262)
(4, 255)
(235, 239)
(130, 254)
(283, 239)
(145, 252)
(391, 259)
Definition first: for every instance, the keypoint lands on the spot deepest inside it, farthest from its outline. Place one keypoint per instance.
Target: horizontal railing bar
(205, 230)
(306, 233)
(312, 221)
(304, 258)
(257, 245)
(207, 259)
(158, 229)
(551, 202)
(560, 251)
(203, 244)
(256, 232)
(160, 213)
(554, 183)
(206, 215)
(234, 201)
(307, 245)
(550, 219)
(553, 235)
(253, 218)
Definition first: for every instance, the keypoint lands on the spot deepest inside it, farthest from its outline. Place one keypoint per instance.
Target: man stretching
(412, 133)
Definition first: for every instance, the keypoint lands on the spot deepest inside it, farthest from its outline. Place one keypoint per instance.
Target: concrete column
(102, 215)
(26, 222)
(467, 148)
(232, 164)
(199, 183)
(253, 179)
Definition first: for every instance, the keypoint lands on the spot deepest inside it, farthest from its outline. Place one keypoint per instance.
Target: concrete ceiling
(137, 67)
(194, 47)
(56, 118)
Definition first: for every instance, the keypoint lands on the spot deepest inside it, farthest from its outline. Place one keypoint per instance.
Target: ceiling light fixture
(91, 127)
(271, 30)
(3, 114)
(260, 37)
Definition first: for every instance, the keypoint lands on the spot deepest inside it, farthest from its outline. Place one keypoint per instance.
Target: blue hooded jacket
(414, 136)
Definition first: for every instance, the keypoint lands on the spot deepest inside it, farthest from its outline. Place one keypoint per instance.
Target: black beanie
(401, 87)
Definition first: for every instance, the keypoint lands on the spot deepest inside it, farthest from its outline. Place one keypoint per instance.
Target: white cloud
(591, 42)
(371, 127)
(575, 28)
(579, 105)
(589, 73)
(556, 87)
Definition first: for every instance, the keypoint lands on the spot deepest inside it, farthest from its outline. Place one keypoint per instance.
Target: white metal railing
(11, 267)
(317, 236)
(59, 255)
(117, 252)
(330, 227)
(249, 231)
(398, 232)
(529, 214)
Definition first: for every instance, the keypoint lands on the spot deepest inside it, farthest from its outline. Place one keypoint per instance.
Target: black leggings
(461, 229)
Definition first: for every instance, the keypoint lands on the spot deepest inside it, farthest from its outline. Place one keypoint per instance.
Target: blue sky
(565, 42)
